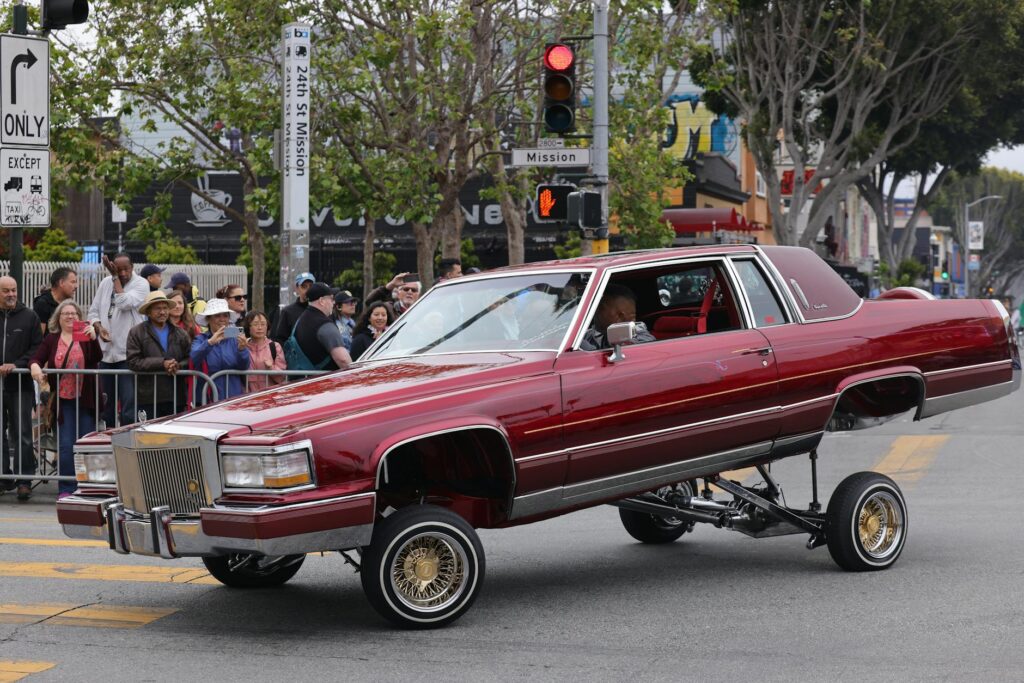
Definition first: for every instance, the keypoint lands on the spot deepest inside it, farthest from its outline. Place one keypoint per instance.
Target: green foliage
(570, 248)
(909, 272)
(383, 271)
(54, 245)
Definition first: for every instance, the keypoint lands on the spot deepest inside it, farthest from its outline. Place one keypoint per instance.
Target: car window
(508, 313)
(674, 301)
(764, 303)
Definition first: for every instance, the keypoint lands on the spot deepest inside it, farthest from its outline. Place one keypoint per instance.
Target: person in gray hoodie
(114, 312)
(20, 336)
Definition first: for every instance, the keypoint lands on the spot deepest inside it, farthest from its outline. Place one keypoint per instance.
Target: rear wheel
(423, 568)
(648, 528)
(866, 522)
(253, 571)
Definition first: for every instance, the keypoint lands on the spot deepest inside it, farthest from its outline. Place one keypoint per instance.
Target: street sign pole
(295, 143)
(600, 163)
(19, 26)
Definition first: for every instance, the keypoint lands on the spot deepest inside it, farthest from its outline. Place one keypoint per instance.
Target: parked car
(481, 408)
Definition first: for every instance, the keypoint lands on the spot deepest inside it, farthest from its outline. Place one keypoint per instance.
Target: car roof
(626, 258)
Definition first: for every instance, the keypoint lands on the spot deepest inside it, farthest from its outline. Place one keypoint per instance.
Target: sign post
(295, 143)
(24, 136)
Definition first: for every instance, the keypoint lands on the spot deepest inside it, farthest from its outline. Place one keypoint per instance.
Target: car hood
(365, 387)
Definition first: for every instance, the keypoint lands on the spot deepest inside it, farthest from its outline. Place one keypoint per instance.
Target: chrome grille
(168, 474)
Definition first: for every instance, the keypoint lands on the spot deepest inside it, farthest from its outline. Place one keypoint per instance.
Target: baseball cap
(150, 269)
(180, 279)
(318, 290)
(343, 297)
(305, 277)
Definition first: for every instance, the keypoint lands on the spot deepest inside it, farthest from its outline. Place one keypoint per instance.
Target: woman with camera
(224, 347)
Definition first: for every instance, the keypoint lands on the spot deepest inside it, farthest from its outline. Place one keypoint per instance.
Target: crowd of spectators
(149, 334)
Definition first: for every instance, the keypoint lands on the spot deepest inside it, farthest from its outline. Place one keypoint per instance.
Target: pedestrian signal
(559, 88)
(551, 203)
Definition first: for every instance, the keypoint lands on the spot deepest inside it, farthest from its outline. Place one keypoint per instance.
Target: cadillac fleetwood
(633, 379)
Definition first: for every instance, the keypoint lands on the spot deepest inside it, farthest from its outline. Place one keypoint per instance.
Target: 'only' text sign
(24, 90)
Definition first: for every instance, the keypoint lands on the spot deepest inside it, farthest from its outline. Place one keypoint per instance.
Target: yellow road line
(12, 670)
(910, 457)
(67, 542)
(101, 616)
(106, 572)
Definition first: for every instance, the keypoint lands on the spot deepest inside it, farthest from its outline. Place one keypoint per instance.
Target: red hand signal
(547, 202)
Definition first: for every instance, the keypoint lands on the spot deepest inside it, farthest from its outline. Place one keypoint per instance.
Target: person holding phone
(157, 346)
(70, 345)
(224, 347)
(399, 294)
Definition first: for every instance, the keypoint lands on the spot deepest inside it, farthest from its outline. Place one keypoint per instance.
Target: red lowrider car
(482, 407)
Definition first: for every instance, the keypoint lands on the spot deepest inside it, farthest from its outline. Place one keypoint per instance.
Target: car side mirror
(617, 335)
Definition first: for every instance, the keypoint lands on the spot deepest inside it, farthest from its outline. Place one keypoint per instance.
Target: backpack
(296, 358)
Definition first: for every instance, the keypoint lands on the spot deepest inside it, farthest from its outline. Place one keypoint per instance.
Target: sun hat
(153, 298)
(213, 307)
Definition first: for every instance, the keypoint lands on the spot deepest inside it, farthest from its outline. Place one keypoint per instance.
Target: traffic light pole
(599, 145)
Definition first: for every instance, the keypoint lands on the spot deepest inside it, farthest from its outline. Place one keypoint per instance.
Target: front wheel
(866, 522)
(423, 568)
(253, 571)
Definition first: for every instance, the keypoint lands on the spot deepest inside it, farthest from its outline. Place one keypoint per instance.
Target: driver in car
(618, 305)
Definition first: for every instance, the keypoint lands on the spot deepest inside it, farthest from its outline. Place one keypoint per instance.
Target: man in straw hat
(157, 346)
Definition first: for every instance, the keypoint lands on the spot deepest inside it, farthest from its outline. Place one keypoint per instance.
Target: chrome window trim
(775, 274)
(992, 364)
(304, 445)
(772, 284)
(742, 300)
(591, 270)
(506, 352)
(775, 271)
(609, 272)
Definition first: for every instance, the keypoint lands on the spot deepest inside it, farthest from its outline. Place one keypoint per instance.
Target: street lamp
(966, 242)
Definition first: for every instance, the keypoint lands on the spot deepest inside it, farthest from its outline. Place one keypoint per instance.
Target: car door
(708, 396)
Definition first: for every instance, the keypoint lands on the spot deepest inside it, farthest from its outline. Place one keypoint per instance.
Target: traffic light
(551, 204)
(585, 209)
(58, 14)
(559, 88)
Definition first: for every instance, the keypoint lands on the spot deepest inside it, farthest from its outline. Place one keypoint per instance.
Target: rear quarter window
(819, 292)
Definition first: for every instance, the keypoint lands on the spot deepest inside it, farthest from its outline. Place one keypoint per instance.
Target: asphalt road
(575, 597)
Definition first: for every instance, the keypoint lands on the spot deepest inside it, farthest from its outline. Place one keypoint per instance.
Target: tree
(54, 245)
(808, 78)
(1002, 259)
(202, 78)
(984, 113)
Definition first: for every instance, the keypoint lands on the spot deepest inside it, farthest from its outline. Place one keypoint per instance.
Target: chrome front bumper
(160, 534)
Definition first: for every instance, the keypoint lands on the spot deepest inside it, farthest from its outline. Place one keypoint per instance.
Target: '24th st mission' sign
(24, 131)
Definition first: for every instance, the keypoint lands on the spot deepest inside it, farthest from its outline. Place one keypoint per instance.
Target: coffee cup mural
(207, 211)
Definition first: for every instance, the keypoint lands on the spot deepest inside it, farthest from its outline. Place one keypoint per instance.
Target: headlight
(95, 467)
(270, 470)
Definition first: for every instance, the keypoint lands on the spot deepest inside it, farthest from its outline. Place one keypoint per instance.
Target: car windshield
(512, 313)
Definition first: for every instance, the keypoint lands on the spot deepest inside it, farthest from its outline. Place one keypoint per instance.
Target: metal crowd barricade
(287, 375)
(21, 412)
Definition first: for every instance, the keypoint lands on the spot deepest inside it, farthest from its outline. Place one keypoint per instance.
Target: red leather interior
(672, 327)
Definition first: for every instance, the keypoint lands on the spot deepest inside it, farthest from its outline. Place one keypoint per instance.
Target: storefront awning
(688, 221)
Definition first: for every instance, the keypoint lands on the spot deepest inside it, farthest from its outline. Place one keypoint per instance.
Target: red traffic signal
(559, 88)
(551, 203)
(559, 57)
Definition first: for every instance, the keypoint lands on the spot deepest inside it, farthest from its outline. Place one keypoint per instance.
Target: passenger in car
(618, 305)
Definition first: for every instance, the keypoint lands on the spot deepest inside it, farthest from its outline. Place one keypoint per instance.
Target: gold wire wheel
(429, 571)
(880, 525)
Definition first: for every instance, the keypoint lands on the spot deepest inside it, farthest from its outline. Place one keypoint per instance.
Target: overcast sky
(1012, 159)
